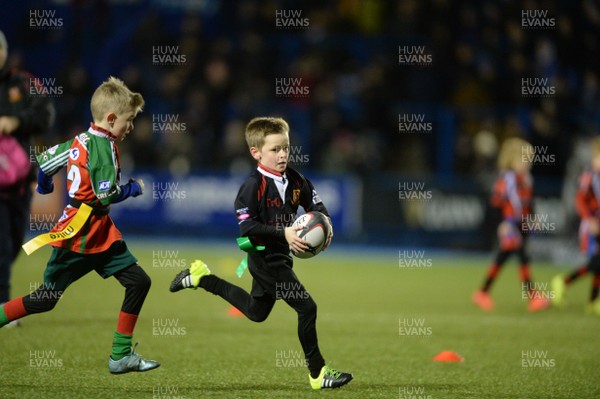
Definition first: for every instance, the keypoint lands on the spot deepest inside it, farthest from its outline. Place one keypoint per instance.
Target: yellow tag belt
(82, 215)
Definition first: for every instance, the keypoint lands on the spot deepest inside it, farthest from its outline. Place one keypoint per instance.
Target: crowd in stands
(231, 60)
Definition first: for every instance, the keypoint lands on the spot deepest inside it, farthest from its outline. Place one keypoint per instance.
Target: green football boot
(329, 378)
(190, 278)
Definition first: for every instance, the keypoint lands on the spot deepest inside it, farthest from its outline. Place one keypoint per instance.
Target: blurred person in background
(587, 202)
(22, 115)
(513, 195)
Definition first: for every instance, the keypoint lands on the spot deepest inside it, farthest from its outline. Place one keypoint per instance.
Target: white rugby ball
(315, 230)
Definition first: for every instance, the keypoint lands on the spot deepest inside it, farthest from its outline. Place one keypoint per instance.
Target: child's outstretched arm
(133, 188)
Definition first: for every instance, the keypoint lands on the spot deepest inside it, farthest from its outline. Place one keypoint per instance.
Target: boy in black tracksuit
(266, 206)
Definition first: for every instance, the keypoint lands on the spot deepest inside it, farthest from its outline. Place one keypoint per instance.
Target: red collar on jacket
(269, 170)
(99, 129)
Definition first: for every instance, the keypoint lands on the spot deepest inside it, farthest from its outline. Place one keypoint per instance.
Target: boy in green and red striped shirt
(93, 177)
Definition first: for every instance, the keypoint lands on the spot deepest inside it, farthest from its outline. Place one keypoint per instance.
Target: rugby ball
(315, 230)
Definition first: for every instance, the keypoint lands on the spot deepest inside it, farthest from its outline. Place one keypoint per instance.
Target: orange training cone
(447, 356)
(234, 312)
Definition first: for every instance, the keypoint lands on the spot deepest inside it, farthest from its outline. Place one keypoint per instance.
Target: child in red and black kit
(512, 194)
(265, 207)
(587, 203)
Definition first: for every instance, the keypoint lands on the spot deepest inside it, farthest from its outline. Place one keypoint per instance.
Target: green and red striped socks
(123, 336)
(12, 310)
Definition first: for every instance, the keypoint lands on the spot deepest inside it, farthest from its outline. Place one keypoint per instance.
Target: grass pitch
(381, 322)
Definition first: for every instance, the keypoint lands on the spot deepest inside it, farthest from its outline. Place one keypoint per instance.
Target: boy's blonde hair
(113, 96)
(514, 149)
(258, 128)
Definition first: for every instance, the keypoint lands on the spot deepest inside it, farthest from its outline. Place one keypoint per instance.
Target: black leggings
(258, 308)
(134, 279)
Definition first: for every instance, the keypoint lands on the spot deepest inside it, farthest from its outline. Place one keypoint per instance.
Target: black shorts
(273, 275)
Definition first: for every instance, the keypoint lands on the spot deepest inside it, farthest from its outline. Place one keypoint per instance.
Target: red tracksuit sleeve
(584, 198)
(498, 196)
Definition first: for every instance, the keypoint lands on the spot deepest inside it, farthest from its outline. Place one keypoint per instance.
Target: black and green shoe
(330, 378)
(190, 278)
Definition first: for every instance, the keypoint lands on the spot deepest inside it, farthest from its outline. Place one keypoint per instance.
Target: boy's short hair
(113, 96)
(258, 128)
(512, 149)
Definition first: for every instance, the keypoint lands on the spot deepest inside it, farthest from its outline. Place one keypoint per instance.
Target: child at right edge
(587, 201)
(265, 208)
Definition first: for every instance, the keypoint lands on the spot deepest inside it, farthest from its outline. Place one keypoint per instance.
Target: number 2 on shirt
(74, 176)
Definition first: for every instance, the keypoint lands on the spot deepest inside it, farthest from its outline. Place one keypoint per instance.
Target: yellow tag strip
(82, 215)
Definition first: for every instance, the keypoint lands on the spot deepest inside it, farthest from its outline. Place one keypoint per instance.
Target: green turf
(362, 301)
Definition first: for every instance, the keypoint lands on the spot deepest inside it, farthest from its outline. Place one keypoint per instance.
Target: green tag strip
(242, 267)
(246, 245)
